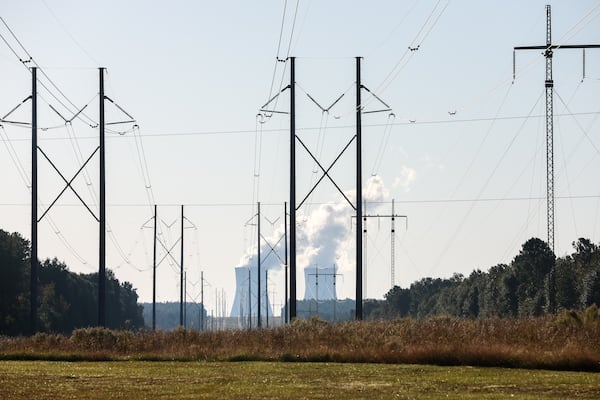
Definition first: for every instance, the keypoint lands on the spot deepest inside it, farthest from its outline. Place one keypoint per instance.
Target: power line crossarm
(559, 46)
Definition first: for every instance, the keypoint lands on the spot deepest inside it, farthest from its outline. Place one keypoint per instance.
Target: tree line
(533, 284)
(168, 315)
(66, 300)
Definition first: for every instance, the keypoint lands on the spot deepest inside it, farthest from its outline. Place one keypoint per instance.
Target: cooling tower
(241, 302)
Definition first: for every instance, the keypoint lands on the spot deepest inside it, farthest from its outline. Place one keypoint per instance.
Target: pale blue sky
(184, 69)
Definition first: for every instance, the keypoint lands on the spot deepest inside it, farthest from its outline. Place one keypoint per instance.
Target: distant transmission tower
(549, 49)
(356, 205)
(393, 217)
(393, 249)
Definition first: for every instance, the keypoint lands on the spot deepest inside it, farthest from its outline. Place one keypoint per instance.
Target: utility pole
(292, 299)
(359, 233)
(202, 300)
(184, 301)
(365, 257)
(317, 289)
(286, 301)
(316, 293)
(357, 205)
(259, 323)
(393, 216)
(182, 289)
(101, 218)
(34, 212)
(267, 295)
(249, 298)
(102, 213)
(216, 315)
(334, 292)
(154, 272)
(224, 307)
(549, 49)
(393, 249)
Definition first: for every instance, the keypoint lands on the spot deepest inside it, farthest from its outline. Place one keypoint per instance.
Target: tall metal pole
(317, 289)
(184, 301)
(34, 216)
(267, 295)
(216, 314)
(359, 230)
(202, 300)
(222, 304)
(365, 247)
(285, 242)
(249, 298)
(154, 272)
(334, 292)
(292, 299)
(393, 248)
(181, 288)
(549, 84)
(102, 244)
(258, 294)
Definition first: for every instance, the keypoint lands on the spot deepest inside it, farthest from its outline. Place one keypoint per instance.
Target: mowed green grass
(277, 380)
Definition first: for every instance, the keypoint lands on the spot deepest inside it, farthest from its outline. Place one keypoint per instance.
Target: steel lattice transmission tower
(549, 84)
(549, 49)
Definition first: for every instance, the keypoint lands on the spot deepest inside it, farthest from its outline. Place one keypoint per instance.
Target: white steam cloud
(406, 179)
(324, 238)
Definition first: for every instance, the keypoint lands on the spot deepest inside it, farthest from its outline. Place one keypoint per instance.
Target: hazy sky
(464, 156)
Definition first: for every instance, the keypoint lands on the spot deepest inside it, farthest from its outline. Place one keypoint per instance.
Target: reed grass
(569, 341)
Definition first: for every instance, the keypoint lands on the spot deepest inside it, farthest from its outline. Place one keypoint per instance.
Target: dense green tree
(53, 309)
(424, 296)
(565, 286)
(472, 298)
(586, 252)
(66, 300)
(531, 266)
(591, 289)
(397, 302)
(75, 290)
(494, 293)
(449, 300)
(535, 282)
(14, 283)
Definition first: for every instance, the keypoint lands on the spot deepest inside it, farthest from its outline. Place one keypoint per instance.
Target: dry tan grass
(568, 341)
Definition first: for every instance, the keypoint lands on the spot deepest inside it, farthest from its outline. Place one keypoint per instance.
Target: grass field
(278, 380)
(568, 342)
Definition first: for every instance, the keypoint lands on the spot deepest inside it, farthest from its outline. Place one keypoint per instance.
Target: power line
(158, 134)
(284, 60)
(412, 48)
(485, 185)
(89, 121)
(293, 27)
(416, 201)
(59, 22)
(278, 48)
